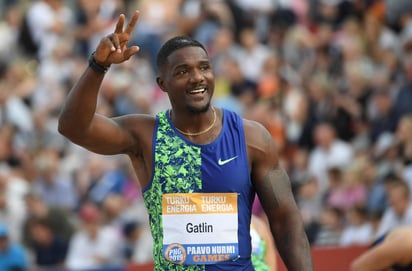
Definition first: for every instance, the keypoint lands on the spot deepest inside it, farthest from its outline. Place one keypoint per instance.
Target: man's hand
(114, 47)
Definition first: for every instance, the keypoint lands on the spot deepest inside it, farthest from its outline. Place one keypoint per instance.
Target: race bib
(200, 228)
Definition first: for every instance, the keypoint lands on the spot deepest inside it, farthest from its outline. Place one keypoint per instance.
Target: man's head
(185, 74)
(90, 216)
(404, 129)
(132, 230)
(40, 230)
(174, 44)
(324, 135)
(398, 195)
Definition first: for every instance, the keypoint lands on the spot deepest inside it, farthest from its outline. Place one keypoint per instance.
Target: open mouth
(198, 91)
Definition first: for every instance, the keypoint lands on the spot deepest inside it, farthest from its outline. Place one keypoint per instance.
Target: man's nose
(197, 76)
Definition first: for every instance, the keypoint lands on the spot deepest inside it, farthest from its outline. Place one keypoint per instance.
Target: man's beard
(196, 110)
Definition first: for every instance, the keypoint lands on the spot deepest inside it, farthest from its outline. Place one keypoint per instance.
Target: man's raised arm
(78, 120)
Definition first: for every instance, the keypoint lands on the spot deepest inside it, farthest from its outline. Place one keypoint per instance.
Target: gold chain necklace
(197, 133)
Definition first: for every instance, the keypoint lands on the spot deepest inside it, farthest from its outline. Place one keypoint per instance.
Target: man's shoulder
(254, 126)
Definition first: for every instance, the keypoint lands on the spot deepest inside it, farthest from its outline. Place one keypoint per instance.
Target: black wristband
(96, 66)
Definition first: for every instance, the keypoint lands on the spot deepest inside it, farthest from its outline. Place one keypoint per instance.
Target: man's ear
(160, 83)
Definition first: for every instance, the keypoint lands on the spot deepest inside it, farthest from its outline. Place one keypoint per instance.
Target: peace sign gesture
(114, 47)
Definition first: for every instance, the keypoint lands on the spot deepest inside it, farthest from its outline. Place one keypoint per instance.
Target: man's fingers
(119, 25)
(115, 40)
(108, 41)
(131, 51)
(132, 23)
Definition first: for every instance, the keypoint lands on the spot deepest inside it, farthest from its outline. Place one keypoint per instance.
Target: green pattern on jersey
(177, 169)
(258, 260)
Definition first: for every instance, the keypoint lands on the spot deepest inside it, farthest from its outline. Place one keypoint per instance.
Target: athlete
(199, 166)
(391, 252)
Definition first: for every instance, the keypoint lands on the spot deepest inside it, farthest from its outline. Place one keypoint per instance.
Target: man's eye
(182, 72)
(205, 67)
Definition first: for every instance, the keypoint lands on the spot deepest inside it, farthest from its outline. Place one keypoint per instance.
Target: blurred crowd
(330, 79)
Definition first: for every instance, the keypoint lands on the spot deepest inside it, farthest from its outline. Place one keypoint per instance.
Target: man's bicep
(106, 136)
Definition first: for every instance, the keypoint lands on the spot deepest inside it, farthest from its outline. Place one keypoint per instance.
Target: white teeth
(197, 91)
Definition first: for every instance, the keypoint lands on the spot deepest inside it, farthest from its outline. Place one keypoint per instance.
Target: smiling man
(197, 164)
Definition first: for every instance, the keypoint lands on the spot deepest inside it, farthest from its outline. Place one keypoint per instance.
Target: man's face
(324, 135)
(4, 242)
(404, 130)
(398, 201)
(188, 79)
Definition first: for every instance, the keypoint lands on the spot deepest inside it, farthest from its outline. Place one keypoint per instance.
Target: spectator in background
(384, 119)
(402, 105)
(330, 227)
(404, 94)
(358, 229)
(223, 47)
(55, 187)
(43, 135)
(252, 54)
(329, 11)
(297, 166)
(399, 211)
(59, 220)
(157, 20)
(48, 248)
(349, 189)
(294, 104)
(12, 209)
(93, 245)
(386, 155)
(48, 21)
(376, 198)
(309, 202)
(319, 97)
(114, 210)
(13, 256)
(203, 19)
(404, 139)
(9, 30)
(13, 110)
(92, 19)
(258, 13)
(54, 73)
(138, 243)
(99, 177)
(121, 92)
(330, 151)
(237, 93)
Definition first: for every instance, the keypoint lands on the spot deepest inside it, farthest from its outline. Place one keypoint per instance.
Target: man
(12, 255)
(392, 252)
(199, 166)
(399, 211)
(94, 245)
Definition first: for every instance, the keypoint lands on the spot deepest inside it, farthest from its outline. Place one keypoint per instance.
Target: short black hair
(174, 44)
(129, 227)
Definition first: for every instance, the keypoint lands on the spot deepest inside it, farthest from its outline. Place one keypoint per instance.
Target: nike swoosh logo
(222, 162)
